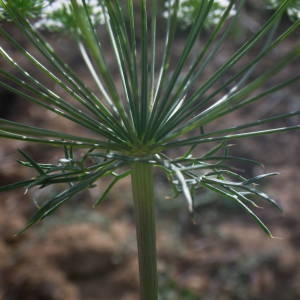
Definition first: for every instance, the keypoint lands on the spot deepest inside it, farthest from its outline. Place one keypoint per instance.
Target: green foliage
(159, 106)
(51, 14)
(28, 8)
(58, 16)
(162, 104)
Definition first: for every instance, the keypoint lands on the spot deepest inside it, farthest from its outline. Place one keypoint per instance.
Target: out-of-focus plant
(293, 9)
(53, 15)
(28, 8)
(161, 105)
(187, 11)
(57, 15)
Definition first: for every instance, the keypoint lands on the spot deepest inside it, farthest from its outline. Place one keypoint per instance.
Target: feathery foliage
(161, 105)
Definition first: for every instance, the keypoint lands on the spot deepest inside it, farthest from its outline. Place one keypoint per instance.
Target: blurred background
(81, 253)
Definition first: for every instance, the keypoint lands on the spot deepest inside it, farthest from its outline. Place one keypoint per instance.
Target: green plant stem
(143, 195)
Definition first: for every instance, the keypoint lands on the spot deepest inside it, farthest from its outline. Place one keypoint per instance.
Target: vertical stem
(143, 196)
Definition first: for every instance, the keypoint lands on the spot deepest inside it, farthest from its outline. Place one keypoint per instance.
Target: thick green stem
(143, 195)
